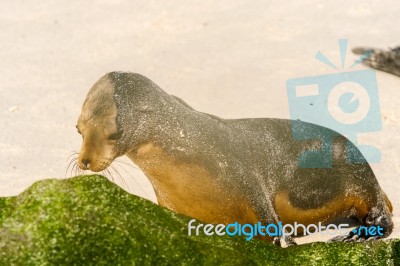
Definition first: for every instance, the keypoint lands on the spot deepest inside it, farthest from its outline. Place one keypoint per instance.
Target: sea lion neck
(147, 114)
(176, 129)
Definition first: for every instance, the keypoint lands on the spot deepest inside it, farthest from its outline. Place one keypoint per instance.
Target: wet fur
(226, 170)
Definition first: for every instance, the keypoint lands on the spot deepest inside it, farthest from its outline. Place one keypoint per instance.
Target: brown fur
(225, 170)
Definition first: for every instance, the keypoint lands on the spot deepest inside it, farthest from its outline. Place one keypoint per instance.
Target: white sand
(228, 58)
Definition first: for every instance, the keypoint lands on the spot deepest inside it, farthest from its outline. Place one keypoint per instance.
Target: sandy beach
(227, 58)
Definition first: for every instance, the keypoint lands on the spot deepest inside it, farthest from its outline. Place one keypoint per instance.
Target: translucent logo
(345, 101)
(270, 229)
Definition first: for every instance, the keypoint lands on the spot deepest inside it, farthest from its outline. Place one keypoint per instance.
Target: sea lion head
(117, 114)
(98, 127)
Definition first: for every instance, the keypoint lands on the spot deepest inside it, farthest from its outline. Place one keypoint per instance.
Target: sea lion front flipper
(384, 60)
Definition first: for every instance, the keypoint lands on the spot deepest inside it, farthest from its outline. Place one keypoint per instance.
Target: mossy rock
(87, 220)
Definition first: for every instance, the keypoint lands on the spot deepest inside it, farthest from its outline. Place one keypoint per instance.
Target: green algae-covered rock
(88, 220)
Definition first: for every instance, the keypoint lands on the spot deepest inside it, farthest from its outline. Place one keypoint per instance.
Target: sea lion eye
(116, 135)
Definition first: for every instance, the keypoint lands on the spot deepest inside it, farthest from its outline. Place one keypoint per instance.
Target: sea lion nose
(86, 163)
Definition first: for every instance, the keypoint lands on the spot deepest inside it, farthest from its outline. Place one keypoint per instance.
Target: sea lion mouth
(102, 166)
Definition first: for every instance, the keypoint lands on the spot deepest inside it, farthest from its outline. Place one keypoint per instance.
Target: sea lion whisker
(73, 153)
(127, 164)
(108, 174)
(72, 161)
(74, 169)
(133, 178)
(67, 168)
(104, 173)
(120, 177)
(78, 171)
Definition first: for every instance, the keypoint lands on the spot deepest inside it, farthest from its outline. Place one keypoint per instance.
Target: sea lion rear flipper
(376, 225)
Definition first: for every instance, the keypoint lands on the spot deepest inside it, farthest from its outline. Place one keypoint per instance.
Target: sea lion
(225, 170)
